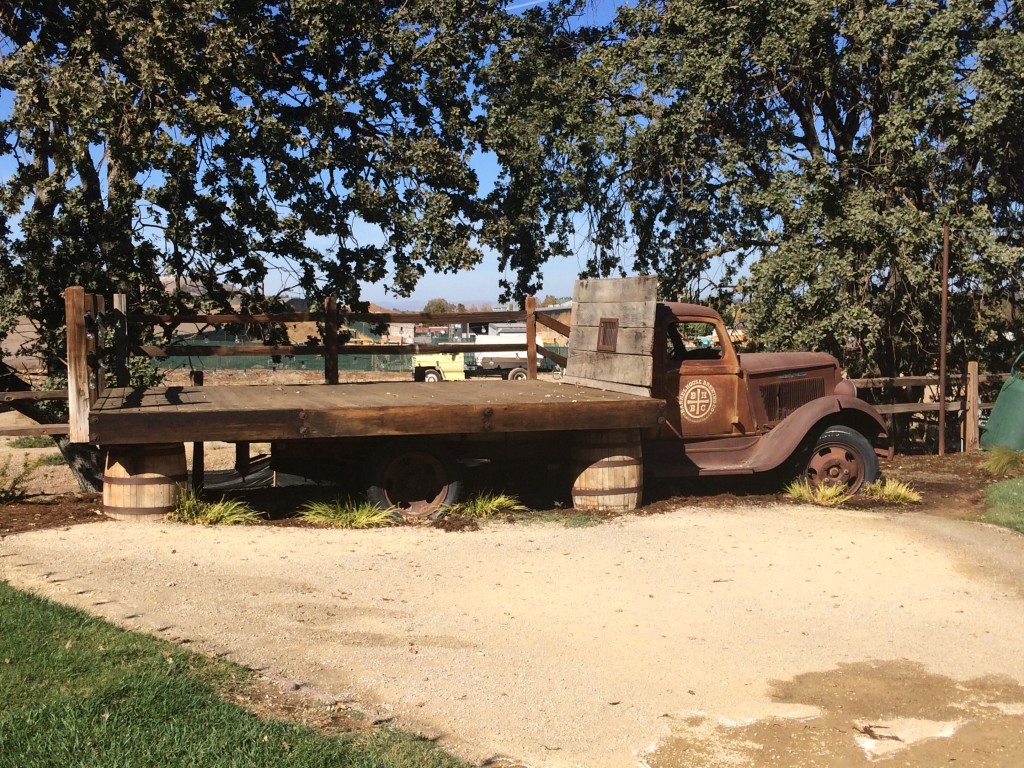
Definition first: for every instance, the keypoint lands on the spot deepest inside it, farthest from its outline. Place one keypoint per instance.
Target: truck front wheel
(432, 374)
(416, 481)
(841, 456)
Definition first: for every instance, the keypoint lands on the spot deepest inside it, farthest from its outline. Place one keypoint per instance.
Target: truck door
(704, 379)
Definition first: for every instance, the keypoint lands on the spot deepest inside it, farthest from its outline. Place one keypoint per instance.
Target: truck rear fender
(810, 419)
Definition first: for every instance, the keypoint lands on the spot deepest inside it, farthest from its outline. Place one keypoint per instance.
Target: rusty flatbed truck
(639, 394)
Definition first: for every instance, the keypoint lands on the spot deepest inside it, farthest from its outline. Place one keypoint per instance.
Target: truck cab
(737, 413)
(726, 412)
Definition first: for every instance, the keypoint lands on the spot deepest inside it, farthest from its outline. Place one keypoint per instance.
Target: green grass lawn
(75, 691)
(1004, 504)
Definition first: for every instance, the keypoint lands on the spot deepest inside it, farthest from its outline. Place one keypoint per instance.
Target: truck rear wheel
(432, 375)
(841, 456)
(517, 374)
(414, 480)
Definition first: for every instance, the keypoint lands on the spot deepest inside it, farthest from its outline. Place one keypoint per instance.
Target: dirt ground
(719, 628)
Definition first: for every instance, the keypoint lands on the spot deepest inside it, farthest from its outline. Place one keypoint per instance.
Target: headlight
(846, 387)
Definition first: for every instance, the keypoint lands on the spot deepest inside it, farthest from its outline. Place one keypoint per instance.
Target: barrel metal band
(609, 491)
(608, 463)
(137, 510)
(145, 480)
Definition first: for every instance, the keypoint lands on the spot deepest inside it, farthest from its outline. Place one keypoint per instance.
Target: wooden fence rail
(969, 404)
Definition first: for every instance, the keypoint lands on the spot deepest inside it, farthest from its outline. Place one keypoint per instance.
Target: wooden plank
(78, 365)
(899, 381)
(639, 315)
(956, 405)
(972, 427)
(95, 308)
(285, 350)
(531, 337)
(629, 341)
(922, 381)
(557, 359)
(331, 341)
(40, 429)
(634, 370)
(121, 348)
(35, 395)
(623, 289)
(288, 318)
(551, 323)
(611, 386)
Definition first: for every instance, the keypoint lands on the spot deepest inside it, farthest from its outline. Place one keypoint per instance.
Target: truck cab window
(689, 340)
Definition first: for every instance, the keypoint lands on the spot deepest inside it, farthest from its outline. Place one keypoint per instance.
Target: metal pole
(943, 330)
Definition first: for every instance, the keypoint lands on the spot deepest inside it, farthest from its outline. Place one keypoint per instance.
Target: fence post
(331, 340)
(198, 448)
(78, 365)
(121, 350)
(531, 337)
(972, 413)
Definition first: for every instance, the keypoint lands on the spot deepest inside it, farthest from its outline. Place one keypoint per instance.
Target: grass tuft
(1004, 504)
(12, 482)
(822, 496)
(52, 459)
(193, 510)
(1003, 461)
(892, 492)
(32, 441)
(484, 506)
(348, 514)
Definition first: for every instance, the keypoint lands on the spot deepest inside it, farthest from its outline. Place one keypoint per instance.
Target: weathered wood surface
(287, 318)
(78, 365)
(308, 350)
(550, 322)
(630, 303)
(39, 429)
(280, 412)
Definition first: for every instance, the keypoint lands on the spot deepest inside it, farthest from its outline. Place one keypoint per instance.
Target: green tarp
(1006, 422)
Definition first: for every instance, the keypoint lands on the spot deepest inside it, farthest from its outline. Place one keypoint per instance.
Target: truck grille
(781, 398)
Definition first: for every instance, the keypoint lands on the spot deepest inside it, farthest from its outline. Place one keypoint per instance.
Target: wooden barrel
(143, 482)
(609, 470)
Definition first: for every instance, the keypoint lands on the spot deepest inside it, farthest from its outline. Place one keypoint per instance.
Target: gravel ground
(704, 637)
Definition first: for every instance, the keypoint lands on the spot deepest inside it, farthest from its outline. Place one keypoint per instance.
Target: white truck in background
(458, 366)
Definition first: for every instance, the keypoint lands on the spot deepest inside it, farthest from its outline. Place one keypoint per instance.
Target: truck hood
(763, 363)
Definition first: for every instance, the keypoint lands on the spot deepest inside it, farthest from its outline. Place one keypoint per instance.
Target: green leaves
(819, 145)
(216, 140)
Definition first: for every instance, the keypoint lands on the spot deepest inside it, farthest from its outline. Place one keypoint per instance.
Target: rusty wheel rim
(835, 464)
(415, 483)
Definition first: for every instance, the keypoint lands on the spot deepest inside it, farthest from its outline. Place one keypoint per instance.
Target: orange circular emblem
(698, 400)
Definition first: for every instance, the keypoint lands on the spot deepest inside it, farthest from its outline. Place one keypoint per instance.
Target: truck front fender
(808, 420)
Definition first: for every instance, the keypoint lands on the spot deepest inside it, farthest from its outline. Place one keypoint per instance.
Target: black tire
(432, 375)
(841, 455)
(415, 480)
(518, 374)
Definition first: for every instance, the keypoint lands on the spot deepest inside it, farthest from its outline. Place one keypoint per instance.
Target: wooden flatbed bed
(259, 413)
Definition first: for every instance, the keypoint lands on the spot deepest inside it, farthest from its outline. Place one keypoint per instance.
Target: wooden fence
(967, 403)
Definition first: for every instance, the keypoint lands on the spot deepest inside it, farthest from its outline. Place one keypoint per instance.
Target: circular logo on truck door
(698, 400)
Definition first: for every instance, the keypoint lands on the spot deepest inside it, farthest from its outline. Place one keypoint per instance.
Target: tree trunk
(84, 461)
